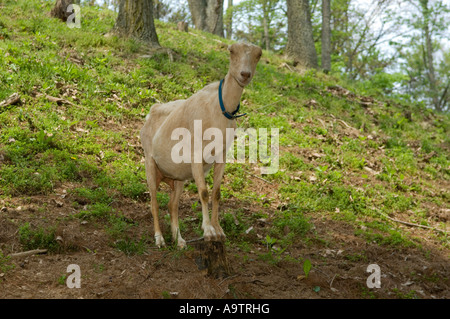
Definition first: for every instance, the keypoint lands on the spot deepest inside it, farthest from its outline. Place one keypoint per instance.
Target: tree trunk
(229, 22)
(157, 9)
(429, 61)
(326, 36)
(266, 25)
(207, 15)
(300, 44)
(135, 20)
(60, 9)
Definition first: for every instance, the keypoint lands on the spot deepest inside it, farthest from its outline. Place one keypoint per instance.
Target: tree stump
(211, 256)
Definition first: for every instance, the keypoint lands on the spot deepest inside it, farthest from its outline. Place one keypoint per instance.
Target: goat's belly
(178, 171)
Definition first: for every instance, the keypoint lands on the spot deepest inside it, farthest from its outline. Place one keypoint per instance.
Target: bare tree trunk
(135, 20)
(429, 61)
(60, 9)
(300, 44)
(266, 25)
(326, 36)
(229, 22)
(207, 15)
(156, 9)
(197, 8)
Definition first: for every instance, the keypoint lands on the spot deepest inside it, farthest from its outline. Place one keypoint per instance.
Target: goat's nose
(245, 74)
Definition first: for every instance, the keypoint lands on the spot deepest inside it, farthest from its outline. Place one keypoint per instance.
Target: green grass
(38, 238)
(5, 263)
(92, 144)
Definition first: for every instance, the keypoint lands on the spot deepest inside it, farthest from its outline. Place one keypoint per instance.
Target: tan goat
(157, 137)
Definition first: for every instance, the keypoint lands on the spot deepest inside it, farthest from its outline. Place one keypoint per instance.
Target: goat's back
(154, 119)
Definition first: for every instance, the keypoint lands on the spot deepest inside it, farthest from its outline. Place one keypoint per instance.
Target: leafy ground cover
(356, 164)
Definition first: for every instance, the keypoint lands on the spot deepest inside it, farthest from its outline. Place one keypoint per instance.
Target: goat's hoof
(220, 235)
(159, 239)
(209, 233)
(181, 243)
(212, 233)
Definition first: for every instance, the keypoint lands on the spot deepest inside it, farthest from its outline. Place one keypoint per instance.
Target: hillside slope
(355, 167)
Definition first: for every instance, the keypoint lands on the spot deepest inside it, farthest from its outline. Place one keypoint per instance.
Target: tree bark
(211, 256)
(300, 44)
(429, 61)
(207, 15)
(266, 24)
(135, 20)
(229, 22)
(326, 36)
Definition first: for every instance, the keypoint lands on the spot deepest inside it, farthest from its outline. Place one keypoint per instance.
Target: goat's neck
(231, 92)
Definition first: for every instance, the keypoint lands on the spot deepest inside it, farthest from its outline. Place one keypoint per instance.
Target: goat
(214, 111)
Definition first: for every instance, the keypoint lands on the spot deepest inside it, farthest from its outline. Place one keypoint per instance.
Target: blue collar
(229, 116)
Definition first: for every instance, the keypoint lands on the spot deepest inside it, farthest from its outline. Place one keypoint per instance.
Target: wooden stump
(211, 256)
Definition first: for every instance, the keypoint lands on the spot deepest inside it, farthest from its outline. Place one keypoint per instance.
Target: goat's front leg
(219, 169)
(209, 232)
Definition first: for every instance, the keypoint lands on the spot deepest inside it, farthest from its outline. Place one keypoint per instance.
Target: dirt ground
(167, 273)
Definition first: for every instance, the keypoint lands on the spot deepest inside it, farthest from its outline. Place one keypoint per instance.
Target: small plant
(39, 238)
(118, 225)
(5, 263)
(62, 279)
(97, 210)
(163, 200)
(274, 255)
(131, 247)
(166, 295)
(233, 225)
(269, 241)
(307, 267)
(195, 205)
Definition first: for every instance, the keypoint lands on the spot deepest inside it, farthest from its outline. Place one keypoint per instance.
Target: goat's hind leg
(177, 189)
(154, 178)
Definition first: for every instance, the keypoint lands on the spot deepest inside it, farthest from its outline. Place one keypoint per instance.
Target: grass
(5, 263)
(38, 238)
(93, 143)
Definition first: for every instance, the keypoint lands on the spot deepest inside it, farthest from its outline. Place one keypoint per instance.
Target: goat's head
(243, 60)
